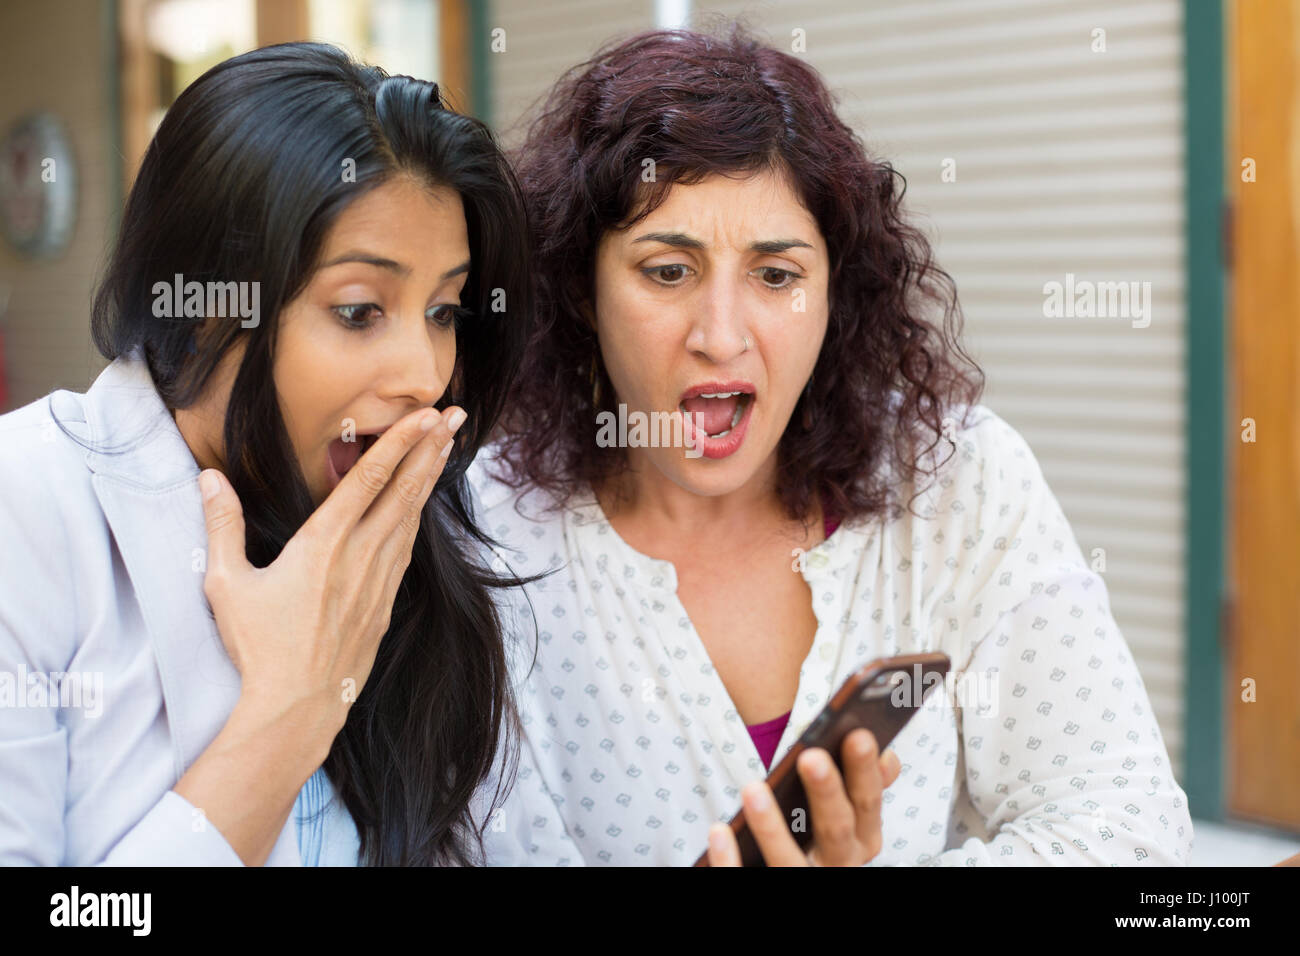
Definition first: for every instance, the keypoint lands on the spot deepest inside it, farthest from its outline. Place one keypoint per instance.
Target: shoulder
(979, 496)
(983, 437)
(498, 503)
(47, 510)
(487, 489)
(981, 462)
(526, 521)
(994, 514)
(43, 468)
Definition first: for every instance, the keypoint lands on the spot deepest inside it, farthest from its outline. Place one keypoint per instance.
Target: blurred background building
(1153, 143)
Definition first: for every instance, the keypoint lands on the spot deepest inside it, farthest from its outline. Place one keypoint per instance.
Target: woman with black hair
(310, 316)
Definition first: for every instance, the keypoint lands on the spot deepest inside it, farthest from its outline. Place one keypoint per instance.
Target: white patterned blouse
(1042, 749)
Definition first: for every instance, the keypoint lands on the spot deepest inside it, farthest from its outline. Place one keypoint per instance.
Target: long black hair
(246, 174)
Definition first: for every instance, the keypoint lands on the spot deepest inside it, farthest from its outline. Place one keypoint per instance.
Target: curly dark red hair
(699, 105)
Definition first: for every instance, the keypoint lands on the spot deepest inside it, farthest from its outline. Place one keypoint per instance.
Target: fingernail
(757, 799)
(429, 420)
(446, 449)
(718, 837)
(209, 484)
(455, 420)
(866, 743)
(812, 766)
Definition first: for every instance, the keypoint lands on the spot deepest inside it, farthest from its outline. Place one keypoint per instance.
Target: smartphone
(882, 697)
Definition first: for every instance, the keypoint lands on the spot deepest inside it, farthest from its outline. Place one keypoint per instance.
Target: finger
(402, 501)
(890, 767)
(397, 559)
(396, 550)
(723, 848)
(862, 773)
(366, 480)
(397, 545)
(224, 517)
(769, 828)
(834, 819)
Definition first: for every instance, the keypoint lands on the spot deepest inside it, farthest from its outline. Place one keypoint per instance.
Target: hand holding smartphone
(882, 697)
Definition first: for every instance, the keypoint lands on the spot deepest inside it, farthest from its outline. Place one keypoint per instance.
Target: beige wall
(544, 40)
(53, 57)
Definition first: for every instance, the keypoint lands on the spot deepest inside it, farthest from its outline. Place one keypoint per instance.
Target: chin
(710, 478)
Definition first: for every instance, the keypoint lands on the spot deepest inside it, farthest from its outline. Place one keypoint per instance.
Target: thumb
(224, 517)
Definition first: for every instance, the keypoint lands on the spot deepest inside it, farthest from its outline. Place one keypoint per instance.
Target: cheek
(446, 352)
(791, 350)
(802, 334)
(312, 373)
(639, 341)
(637, 357)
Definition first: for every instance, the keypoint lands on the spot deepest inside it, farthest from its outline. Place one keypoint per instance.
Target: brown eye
(448, 316)
(667, 275)
(775, 278)
(356, 316)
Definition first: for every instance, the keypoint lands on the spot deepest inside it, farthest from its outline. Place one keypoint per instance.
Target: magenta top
(768, 734)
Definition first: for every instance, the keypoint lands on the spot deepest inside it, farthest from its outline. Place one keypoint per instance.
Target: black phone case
(870, 704)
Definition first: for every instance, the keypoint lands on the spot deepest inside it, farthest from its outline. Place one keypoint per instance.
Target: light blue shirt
(113, 678)
(327, 835)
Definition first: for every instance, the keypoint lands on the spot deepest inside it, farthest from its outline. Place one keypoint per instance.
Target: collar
(146, 480)
(133, 436)
(591, 530)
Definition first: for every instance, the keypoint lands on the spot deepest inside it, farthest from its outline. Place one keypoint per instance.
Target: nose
(419, 363)
(718, 331)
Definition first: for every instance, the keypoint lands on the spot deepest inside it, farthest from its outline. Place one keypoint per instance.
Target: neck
(645, 497)
(203, 423)
(196, 426)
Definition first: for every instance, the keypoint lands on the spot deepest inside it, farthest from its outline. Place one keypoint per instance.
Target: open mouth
(343, 455)
(717, 411)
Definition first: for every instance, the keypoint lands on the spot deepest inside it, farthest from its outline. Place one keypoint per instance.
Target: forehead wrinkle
(685, 212)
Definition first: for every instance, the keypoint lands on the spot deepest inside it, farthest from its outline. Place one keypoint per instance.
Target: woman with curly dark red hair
(716, 251)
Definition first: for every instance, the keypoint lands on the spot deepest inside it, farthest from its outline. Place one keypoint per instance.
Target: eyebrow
(683, 241)
(392, 266)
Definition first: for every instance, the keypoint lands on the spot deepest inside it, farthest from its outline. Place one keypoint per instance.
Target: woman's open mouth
(716, 416)
(342, 455)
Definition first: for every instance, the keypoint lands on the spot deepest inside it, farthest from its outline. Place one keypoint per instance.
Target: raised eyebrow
(679, 239)
(463, 267)
(390, 264)
(364, 257)
(775, 246)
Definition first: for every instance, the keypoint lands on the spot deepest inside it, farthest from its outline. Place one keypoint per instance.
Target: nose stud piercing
(747, 345)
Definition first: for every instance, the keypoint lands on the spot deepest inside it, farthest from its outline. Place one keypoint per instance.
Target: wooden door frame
(1262, 783)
